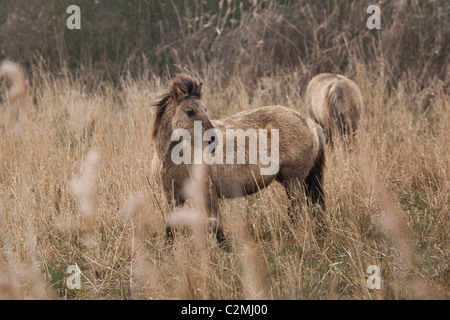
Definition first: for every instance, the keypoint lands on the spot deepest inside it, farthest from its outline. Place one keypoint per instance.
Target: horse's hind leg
(294, 193)
(315, 194)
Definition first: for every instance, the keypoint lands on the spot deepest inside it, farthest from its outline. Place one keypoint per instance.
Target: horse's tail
(335, 99)
(314, 180)
(343, 103)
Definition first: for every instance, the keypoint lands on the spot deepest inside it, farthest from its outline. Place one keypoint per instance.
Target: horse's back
(264, 117)
(293, 126)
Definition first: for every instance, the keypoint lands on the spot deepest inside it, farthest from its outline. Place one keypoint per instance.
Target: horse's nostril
(212, 143)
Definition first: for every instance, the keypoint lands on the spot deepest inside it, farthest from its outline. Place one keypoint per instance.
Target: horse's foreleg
(174, 205)
(214, 217)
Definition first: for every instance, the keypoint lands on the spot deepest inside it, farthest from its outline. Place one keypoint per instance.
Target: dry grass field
(75, 187)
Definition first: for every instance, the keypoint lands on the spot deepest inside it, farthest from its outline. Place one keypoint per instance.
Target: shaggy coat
(301, 152)
(335, 102)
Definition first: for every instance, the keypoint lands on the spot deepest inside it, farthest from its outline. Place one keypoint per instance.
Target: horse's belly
(238, 183)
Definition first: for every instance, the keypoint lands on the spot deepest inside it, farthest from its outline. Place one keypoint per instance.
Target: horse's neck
(162, 142)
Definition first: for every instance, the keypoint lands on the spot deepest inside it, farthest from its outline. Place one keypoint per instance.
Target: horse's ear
(200, 87)
(177, 93)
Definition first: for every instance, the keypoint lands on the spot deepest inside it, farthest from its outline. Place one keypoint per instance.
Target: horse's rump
(335, 102)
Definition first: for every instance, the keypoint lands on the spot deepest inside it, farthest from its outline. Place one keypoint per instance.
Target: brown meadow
(76, 151)
(74, 186)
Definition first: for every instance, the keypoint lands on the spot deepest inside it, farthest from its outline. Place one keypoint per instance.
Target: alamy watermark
(374, 279)
(73, 282)
(374, 21)
(213, 153)
(74, 20)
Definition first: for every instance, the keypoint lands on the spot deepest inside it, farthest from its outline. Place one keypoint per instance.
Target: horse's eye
(190, 113)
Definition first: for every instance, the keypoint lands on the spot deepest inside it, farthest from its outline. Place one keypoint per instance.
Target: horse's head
(181, 108)
(186, 93)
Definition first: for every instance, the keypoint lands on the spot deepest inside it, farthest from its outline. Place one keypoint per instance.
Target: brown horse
(233, 168)
(335, 102)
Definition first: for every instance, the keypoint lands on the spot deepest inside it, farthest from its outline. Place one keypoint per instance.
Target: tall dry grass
(75, 188)
(75, 151)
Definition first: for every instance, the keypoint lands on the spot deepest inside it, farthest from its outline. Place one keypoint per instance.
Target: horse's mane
(187, 85)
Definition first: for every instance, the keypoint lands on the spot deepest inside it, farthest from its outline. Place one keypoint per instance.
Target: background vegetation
(75, 152)
(244, 38)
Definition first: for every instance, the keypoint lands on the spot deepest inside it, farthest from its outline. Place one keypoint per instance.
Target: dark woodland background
(241, 38)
